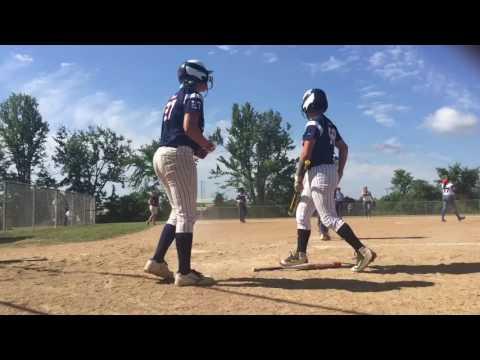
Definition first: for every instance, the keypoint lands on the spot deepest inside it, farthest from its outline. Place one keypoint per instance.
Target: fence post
(56, 209)
(4, 206)
(33, 206)
(72, 213)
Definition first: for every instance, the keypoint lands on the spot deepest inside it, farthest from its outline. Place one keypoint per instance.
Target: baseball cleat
(158, 269)
(443, 220)
(461, 218)
(295, 258)
(193, 278)
(365, 256)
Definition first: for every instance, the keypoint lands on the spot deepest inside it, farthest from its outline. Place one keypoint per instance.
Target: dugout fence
(24, 205)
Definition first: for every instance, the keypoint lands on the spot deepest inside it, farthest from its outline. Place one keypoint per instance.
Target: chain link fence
(379, 208)
(23, 205)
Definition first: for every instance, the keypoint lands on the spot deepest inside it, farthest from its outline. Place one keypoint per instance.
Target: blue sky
(412, 107)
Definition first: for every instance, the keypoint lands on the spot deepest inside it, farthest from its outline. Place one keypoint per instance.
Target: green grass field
(48, 236)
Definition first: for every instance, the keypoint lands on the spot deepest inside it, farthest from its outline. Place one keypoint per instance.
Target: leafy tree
(143, 175)
(90, 159)
(23, 133)
(44, 179)
(258, 161)
(466, 180)
(401, 181)
(219, 199)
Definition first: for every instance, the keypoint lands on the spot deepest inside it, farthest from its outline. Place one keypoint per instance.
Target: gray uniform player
(448, 199)
(318, 183)
(182, 139)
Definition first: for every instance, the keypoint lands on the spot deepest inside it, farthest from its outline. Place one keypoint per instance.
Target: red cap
(445, 181)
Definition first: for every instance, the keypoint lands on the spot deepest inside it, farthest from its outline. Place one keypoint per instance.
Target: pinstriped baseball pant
(176, 169)
(318, 194)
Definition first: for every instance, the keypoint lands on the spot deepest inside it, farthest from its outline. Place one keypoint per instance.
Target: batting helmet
(192, 72)
(314, 100)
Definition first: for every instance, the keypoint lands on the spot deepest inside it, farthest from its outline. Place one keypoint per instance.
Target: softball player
(448, 197)
(182, 139)
(318, 183)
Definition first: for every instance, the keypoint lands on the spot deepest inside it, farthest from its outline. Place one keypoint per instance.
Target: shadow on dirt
(13, 239)
(454, 269)
(322, 284)
(22, 308)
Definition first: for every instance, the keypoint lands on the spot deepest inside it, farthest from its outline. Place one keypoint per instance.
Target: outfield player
(367, 200)
(318, 183)
(153, 204)
(174, 163)
(242, 204)
(448, 197)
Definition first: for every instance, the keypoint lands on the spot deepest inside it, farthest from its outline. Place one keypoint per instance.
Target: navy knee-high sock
(349, 236)
(184, 250)
(166, 239)
(302, 240)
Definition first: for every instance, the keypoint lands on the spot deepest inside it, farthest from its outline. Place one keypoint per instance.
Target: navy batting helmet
(314, 100)
(192, 72)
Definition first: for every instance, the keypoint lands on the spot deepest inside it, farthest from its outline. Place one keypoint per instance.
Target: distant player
(448, 197)
(339, 198)
(367, 200)
(182, 139)
(153, 204)
(318, 183)
(242, 204)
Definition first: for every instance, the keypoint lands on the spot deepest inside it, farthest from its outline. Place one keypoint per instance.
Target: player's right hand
(210, 146)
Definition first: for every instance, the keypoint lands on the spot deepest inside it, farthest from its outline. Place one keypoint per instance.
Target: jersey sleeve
(312, 130)
(193, 103)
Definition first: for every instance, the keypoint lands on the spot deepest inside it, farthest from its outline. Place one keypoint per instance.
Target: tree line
(257, 145)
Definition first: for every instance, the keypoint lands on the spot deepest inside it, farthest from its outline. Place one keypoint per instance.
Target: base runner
(318, 183)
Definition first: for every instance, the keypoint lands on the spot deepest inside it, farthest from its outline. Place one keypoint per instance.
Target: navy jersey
(242, 199)
(326, 134)
(184, 101)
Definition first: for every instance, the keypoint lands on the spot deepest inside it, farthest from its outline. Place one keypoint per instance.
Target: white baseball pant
(177, 170)
(318, 194)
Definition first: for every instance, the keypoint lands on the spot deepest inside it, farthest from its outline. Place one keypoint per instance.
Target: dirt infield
(423, 267)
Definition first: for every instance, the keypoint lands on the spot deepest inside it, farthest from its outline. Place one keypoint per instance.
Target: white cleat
(193, 278)
(365, 256)
(158, 269)
(295, 258)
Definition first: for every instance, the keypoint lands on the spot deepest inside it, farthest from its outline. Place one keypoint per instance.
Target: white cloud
(447, 120)
(24, 58)
(270, 57)
(396, 62)
(211, 52)
(332, 64)
(383, 113)
(66, 64)
(377, 59)
(228, 48)
(12, 64)
(391, 145)
(439, 84)
(372, 94)
(65, 97)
